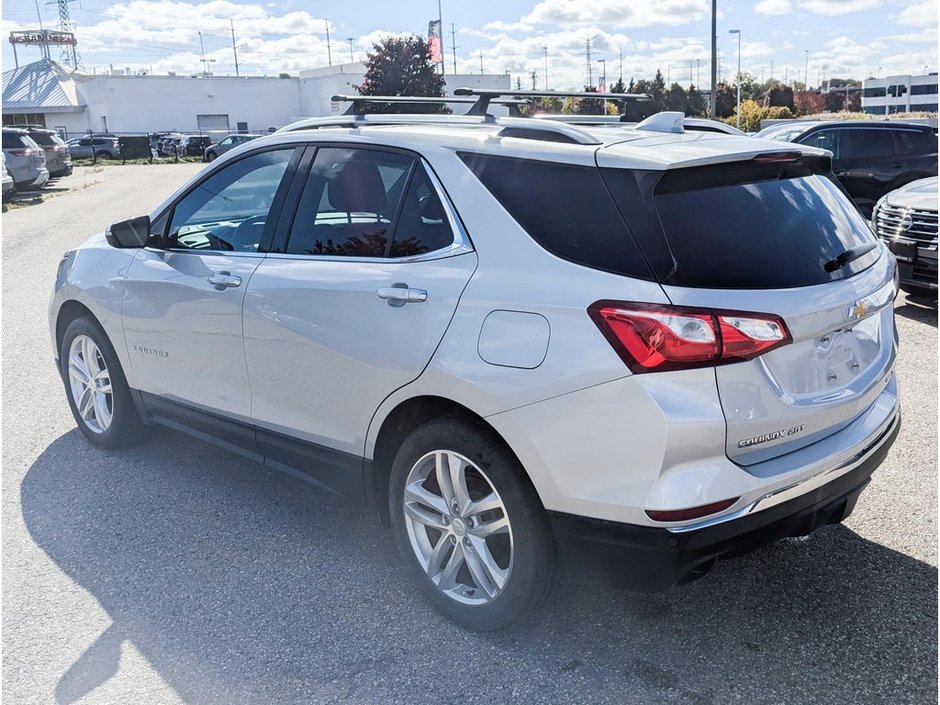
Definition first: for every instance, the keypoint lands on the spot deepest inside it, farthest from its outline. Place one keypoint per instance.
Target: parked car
(58, 157)
(9, 187)
(89, 147)
(226, 143)
(697, 386)
(168, 146)
(906, 219)
(25, 159)
(870, 158)
(194, 145)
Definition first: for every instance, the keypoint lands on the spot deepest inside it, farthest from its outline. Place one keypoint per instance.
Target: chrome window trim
(190, 251)
(460, 246)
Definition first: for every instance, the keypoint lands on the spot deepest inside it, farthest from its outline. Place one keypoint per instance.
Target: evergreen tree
(618, 87)
(677, 99)
(401, 66)
(698, 107)
(587, 106)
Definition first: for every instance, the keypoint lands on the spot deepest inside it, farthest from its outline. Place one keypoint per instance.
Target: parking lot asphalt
(177, 573)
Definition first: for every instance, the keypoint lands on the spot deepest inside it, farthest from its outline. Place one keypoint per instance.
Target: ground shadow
(241, 585)
(917, 309)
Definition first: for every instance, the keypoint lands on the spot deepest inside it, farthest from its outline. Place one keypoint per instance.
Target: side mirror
(129, 233)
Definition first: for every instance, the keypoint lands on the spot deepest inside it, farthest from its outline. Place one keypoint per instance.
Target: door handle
(224, 280)
(400, 295)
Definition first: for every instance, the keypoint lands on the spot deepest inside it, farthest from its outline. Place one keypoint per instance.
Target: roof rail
(524, 128)
(487, 95)
(356, 102)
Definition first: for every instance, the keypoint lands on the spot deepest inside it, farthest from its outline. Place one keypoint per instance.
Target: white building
(900, 94)
(47, 93)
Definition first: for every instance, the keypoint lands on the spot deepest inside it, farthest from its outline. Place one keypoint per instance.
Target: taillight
(652, 338)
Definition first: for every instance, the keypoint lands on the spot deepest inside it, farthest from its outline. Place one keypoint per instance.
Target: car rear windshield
(12, 140)
(742, 226)
(44, 138)
(564, 208)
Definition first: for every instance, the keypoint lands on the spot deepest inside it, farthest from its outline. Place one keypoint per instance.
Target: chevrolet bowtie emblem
(859, 309)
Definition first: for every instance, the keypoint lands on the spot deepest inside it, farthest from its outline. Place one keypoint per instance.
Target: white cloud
(617, 13)
(920, 14)
(773, 7)
(837, 7)
(755, 50)
(506, 27)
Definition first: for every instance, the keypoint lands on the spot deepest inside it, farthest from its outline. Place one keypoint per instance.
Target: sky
(843, 38)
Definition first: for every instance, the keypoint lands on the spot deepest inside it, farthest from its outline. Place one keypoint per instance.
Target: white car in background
(906, 219)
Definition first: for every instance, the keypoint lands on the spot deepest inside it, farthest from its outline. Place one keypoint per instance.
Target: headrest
(357, 188)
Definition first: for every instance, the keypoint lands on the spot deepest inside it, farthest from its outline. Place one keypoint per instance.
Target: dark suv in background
(58, 157)
(869, 158)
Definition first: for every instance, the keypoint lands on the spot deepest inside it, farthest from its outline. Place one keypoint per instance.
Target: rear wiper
(850, 255)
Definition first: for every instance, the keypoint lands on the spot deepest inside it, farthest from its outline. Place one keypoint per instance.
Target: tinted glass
(44, 138)
(12, 140)
(866, 144)
(564, 208)
(824, 139)
(229, 209)
(910, 142)
(751, 226)
(349, 202)
(924, 89)
(422, 226)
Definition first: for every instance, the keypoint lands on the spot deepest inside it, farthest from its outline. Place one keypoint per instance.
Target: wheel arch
(399, 423)
(68, 312)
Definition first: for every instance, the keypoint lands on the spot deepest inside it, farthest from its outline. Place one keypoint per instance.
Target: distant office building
(900, 94)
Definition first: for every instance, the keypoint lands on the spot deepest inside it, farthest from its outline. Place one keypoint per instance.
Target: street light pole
(738, 81)
(714, 67)
(604, 74)
(350, 40)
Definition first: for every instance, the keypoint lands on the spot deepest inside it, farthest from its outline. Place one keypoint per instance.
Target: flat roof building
(75, 103)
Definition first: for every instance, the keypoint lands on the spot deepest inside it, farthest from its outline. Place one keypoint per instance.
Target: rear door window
(824, 139)
(12, 140)
(859, 143)
(742, 226)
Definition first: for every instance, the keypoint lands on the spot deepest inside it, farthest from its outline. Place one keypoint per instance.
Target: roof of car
(627, 147)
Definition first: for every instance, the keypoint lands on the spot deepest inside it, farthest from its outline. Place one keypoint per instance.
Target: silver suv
(507, 336)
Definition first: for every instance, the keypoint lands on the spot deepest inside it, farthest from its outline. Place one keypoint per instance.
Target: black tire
(210, 155)
(125, 426)
(533, 555)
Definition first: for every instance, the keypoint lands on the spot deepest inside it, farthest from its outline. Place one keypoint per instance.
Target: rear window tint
(44, 138)
(12, 140)
(565, 208)
(747, 226)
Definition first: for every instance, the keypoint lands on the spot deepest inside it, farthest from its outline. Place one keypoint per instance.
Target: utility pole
(329, 54)
(711, 103)
(533, 75)
(440, 20)
(698, 73)
(234, 50)
(68, 56)
(453, 45)
(771, 69)
(621, 66)
(205, 62)
(690, 73)
(738, 81)
(587, 56)
(350, 40)
(481, 61)
(545, 54)
(806, 73)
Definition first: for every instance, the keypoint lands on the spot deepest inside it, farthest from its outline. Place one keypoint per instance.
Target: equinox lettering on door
(150, 351)
(767, 437)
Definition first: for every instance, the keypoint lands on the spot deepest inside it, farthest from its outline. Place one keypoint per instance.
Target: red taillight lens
(690, 513)
(660, 338)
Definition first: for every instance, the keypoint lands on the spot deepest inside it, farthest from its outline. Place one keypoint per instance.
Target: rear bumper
(655, 558)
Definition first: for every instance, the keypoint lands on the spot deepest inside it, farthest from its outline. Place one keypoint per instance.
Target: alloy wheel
(458, 527)
(90, 384)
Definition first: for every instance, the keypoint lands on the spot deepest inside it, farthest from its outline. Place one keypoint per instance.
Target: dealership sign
(42, 36)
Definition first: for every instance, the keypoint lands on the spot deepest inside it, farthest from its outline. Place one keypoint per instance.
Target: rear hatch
(775, 236)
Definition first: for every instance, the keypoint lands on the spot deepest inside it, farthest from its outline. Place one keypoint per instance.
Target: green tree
(726, 99)
(588, 106)
(677, 99)
(750, 88)
(780, 96)
(544, 105)
(752, 113)
(618, 86)
(401, 66)
(698, 106)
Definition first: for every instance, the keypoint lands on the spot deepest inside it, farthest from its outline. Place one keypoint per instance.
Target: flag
(602, 85)
(434, 41)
